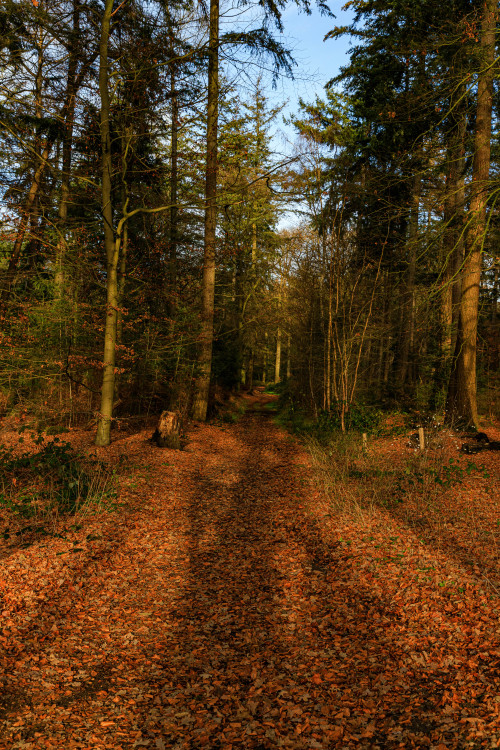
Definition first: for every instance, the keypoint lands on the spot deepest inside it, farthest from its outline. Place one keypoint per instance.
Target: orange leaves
(345, 713)
(229, 605)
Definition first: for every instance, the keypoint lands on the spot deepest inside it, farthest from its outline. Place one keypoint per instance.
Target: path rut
(222, 609)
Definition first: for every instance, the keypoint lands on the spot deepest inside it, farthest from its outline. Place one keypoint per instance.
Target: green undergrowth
(361, 418)
(327, 424)
(228, 410)
(355, 478)
(232, 416)
(271, 406)
(275, 389)
(295, 413)
(52, 479)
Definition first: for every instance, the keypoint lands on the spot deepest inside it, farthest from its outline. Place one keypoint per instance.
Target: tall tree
(200, 398)
(461, 405)
(258, 41)
(111, 241)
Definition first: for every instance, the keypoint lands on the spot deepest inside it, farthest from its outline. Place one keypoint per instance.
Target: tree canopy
(155, 247)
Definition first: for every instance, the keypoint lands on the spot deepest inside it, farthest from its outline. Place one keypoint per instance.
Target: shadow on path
(221, 618)
(279, 643)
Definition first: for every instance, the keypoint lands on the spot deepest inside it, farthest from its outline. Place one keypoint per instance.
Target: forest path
(225, 607)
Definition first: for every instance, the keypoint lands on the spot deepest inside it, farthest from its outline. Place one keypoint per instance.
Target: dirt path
(224, 608)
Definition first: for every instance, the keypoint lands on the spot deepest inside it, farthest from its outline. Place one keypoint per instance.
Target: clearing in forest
(228, 604)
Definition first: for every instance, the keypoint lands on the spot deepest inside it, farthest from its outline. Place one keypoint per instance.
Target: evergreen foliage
(362, 302)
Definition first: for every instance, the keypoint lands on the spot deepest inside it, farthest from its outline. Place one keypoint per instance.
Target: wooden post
(421, 438)
(365, 442)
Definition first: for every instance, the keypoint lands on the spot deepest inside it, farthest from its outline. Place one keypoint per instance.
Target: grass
(446, 503)
(336, 464)
(413, 489)
(271, 406)
(410, 486)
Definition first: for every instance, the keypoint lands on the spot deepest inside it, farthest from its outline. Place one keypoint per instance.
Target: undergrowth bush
(358, 418)
(279, 389)
(327, 426)
(362, 416)
(52, 479)
(354, 479)
(294, 419)
(232, 415)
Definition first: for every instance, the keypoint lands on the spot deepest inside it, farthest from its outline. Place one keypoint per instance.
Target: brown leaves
(227, 606)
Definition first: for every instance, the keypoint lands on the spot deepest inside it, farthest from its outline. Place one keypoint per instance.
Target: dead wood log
(483, 443)
(168, 431)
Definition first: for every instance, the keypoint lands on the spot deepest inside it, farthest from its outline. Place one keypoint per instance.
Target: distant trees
(249, 187)
(257, 42)
(142, 259)
(404, 198)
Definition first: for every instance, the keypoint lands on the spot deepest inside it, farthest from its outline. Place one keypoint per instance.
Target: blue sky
(318, 61)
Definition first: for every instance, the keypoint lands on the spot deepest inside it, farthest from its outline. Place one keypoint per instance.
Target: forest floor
(228, 602)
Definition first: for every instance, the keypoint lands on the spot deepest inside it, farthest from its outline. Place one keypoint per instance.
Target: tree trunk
(329, 335)
(453, 241)
(41, 156)
(288, 357)
(382, 333)
(202, 385)
(264, 369)
(461, 405)
(122, 280)
(251, 362)
(112, 245)
(167, 433)
(277, 361)
(68, 116)
(494, 306)
(407, 311)
(126, 140)
(10, 273)
(173, 213)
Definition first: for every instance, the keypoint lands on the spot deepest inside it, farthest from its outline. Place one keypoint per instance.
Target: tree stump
(167, 433)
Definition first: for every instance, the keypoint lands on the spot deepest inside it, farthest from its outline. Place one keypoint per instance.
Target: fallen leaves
(225, 606)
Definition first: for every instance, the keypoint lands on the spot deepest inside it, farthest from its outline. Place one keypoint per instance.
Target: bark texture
(461, 406)
(168, 431)
(112, 245)
(408, 306)
(202, 385)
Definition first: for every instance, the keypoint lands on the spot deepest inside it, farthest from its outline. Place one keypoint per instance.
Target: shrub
(52, 478)
(359, 418)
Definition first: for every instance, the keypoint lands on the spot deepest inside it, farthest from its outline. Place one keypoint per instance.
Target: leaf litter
(226, 605)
